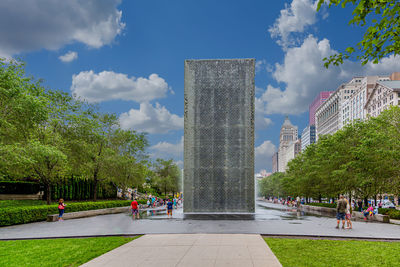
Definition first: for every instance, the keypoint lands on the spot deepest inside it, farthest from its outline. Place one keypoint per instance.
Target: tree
(128, 166)
(167, 176)
(381, 38)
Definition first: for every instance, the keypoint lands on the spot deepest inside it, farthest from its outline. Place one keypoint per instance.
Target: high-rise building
(327, 115)
(307, 136)
(384, 95)
(353, 108)
(288, 136)
(275, 162)
(321, 97)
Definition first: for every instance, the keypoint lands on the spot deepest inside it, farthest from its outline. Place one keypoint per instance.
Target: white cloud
(168, 150)
(293, 19)
(260, 64)
(69, 56)
(51, 24)
(263, 155)
(108, 85)
(150, 119)
(302, 84)
(261, 122)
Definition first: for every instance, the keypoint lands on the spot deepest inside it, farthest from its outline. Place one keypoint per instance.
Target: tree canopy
(47, 135)
(381, 19)
(361, 160)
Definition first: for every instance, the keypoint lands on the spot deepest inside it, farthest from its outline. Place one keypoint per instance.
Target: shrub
(18, 215)
(19, 187)
(326, 205)
(393, 213)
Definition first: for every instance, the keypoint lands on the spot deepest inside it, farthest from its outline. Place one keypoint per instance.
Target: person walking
(348, 216)
(341, 211)
(135, 209)
(61, 207)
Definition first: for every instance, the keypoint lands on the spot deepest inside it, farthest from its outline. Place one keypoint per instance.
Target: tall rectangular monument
(219, 137)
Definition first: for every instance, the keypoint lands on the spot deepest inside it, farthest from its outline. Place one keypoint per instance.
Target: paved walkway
(278, 222)
(190, 250)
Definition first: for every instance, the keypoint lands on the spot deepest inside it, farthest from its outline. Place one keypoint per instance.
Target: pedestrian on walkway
(135, 209)
(61, 207)
(348, 215)
(341, 211)
(169, 208)
(298, 202)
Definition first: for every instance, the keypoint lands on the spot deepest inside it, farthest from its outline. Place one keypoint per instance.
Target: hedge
(76, 188)
(19, 215)
(326, 205)
(19, 187)
(393, 213)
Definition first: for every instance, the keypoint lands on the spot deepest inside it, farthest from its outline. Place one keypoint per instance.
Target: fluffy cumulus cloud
(108, 85)
(50, 24)
(168, 150)
(261, 122)
(69, 56)
(301, 85)
(294, 18)
(263, 155)
(151, 119)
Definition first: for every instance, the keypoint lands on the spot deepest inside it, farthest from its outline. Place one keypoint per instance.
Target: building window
(391, 97)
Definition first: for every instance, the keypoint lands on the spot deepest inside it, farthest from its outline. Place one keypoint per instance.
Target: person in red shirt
(135, 209)
(61, 207)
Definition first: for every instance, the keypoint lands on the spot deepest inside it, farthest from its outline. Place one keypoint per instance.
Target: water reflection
(271, 212)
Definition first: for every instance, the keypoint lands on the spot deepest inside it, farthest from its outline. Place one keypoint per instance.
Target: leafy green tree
(167, 176)
(381, 18)
(128, 166)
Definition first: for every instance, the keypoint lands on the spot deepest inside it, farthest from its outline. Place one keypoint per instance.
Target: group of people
(343, 213)
(155, 202)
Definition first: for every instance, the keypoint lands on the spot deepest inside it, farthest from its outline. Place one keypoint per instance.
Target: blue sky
(128, 57)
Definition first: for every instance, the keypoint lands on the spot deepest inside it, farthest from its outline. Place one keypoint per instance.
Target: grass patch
(57, 252)
(308, 252)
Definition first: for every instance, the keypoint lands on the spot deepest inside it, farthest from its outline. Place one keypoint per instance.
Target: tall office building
(287, 147)
(307, 136)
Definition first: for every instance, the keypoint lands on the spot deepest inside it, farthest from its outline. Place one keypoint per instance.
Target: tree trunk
(95, 189)
(48, 195)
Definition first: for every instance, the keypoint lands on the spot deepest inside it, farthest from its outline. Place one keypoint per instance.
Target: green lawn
(306, 252)
(56, 252)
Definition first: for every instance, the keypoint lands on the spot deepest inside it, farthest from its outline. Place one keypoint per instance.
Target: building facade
(328, 116)
(353, 108)
(275, 162)
(286, 151)
(321, 97)
(307, 136)
(384, 95)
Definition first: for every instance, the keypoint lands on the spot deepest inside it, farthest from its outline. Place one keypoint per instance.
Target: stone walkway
(268, 222)
(192, 250)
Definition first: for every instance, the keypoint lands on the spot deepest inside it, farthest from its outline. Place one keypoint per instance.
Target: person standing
(61, 207)
(348, 215)
(135, 209)
(170, 205)
(341, 211)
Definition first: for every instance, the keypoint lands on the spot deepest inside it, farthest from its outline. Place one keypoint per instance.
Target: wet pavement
(270, 219)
